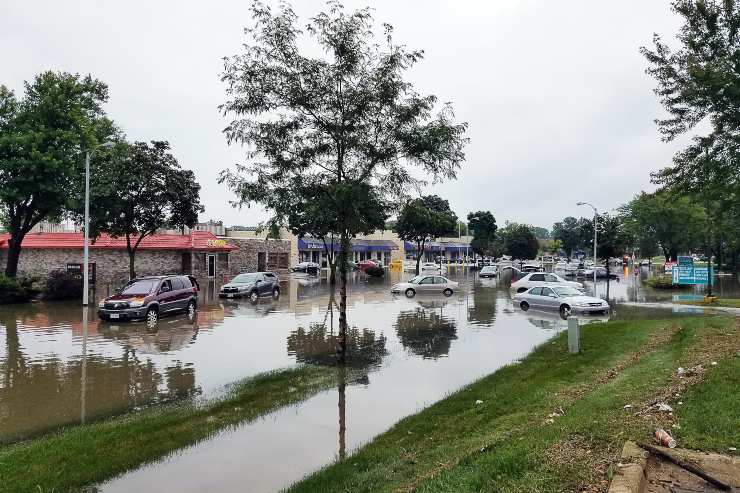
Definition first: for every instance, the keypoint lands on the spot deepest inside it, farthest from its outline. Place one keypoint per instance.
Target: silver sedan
(565, 299)
(425, 284)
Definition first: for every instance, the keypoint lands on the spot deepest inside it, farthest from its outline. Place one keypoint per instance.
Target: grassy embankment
(557, 422)
(722, 302)
(80, 455)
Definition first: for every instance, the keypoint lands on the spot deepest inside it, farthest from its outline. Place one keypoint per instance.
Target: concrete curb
(630, 475)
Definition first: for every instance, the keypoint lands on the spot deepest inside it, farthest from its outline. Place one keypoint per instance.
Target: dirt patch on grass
(575, 452)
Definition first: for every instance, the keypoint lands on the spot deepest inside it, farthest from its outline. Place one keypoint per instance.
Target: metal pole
(86, 261)
(596, 215)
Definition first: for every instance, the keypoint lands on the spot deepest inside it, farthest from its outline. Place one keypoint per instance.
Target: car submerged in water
(251, 285)
(565, 299)
(425, 284)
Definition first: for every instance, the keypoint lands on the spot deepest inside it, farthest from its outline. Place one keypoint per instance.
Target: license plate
(229, 295)
(114, 315)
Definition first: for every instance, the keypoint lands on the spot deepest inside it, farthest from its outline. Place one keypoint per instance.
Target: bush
(664, 282)
(11, 291)
(61, 285)
(375, 271)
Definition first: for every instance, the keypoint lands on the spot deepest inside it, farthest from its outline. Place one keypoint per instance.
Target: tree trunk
(342, 339)
(673, 254)
(131, 264)
(419, 250)
(342, 385)
(14, 254)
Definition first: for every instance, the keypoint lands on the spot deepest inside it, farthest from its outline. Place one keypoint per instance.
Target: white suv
(542, 279)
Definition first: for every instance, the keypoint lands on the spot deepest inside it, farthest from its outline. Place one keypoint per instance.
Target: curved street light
(85, 281)
(596, 215)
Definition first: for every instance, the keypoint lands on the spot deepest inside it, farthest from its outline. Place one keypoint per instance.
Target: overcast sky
(559, 106)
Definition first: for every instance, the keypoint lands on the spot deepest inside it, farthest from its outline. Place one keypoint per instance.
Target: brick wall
(111, 265)
(245, 257)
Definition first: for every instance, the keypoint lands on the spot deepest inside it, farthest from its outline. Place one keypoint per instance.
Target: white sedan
(565, 299)
(542, 279)
(425, 284)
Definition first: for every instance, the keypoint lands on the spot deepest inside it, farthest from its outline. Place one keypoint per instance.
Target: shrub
(11, 291)
(375, 271)
(664, 282)
(61, 285)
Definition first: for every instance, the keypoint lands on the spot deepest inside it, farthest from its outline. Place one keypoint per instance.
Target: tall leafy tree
(43, 138)
(612, 239)
(569, 233)
(137, 189)
(676, 223)
(424, 219)
(342, 118)
(541, 233)
(483, 225)
(519, 241)
(699, 82)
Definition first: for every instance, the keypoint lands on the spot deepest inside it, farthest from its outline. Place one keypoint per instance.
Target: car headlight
(101, 304)
(136, 303)
(581, 304)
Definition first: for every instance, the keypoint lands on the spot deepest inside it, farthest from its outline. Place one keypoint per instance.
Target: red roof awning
(195, 241)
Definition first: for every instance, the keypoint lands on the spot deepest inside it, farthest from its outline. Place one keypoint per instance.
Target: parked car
(251, 285)
(425, 284)
(600, 273)
(150, 297)
(363, 265)
(430, 266)
(542, 278)
(565, 299)
(306, 267)
(529, 267)
(488, 271)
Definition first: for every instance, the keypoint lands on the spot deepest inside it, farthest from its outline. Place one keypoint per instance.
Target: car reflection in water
(426, 331)
(554, 321)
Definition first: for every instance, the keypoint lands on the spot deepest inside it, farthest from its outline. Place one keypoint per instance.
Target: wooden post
(574, 335)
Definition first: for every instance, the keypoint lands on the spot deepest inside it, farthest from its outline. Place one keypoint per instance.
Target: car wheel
(521, 290)
(152, 317)
(253, 296)
(190, 310)
(410, 293)
(524, 305)
(565, 311)
(447, 292)
(276, 292)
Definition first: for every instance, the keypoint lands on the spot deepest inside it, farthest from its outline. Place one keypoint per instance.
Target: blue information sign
(683, 274)
(686, 260)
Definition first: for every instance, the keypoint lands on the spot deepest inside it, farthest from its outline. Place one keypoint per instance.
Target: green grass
(82, 455)
(508, 442)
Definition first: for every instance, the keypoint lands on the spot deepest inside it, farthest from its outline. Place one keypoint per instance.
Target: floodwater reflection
(426, 331)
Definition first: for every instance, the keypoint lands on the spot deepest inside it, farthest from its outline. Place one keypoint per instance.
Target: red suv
(149, 297)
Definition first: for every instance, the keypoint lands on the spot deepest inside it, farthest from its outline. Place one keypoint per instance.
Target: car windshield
(566, 291)
(244, 278)
(144, 286)
(417, 279)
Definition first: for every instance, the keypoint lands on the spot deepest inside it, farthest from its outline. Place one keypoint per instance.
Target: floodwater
(57, 369)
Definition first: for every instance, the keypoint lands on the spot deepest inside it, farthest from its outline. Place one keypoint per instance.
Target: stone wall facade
(256, 254)
(111, 265)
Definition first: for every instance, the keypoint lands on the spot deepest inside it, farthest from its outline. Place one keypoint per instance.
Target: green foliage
(568, 231)
(138, 188)
(612, 240)
(61, 285)
(12, 291)
(424, 219)
(677, 224)
(484, 228)
(43, 138)
(541, 233)
(342, 121)
(519, 241)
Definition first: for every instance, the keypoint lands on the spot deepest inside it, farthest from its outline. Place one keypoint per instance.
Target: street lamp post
(596, 215)
(86, 248)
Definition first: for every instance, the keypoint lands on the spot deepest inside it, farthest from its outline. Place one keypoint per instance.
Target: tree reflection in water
(425, 331)
(318, 345)
(111, 385)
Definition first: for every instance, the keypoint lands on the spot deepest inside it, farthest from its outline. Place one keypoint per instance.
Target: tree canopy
(137, 189)
(43, 139)
(569, 232)
(519, 241)
(424, 219)
(483, 225)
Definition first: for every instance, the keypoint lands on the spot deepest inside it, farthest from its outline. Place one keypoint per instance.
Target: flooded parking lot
(404, 354)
